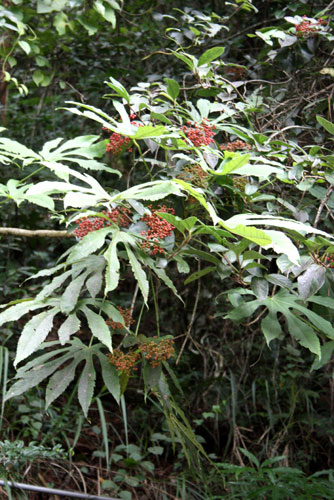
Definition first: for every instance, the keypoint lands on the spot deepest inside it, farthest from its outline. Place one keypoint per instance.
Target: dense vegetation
(167, 248)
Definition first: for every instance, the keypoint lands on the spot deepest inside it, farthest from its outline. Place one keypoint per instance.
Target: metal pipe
(52, 491)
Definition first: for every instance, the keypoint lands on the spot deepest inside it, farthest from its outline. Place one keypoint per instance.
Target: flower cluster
(119, 216)
(200, 134)
(240, 183)
(234, 146)
(123, 362)
(308, 28)
(159, 229)
(128, 320)
(195, 175)
(157, 350)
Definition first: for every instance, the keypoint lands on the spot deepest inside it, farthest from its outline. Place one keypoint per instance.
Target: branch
(41, 233)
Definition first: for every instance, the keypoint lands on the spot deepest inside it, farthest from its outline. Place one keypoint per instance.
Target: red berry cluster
(200, 134)
(157, 350)
(308, 28)
(329, 260)
(118, 143)
(119, 216)
(128, 320)
(234, 146)
(158, 230)
(196, 175)
(123, 362)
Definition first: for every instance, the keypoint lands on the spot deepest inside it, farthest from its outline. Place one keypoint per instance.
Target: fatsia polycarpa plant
(229, 243)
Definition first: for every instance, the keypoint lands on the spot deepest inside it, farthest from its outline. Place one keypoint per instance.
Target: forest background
(167, 248)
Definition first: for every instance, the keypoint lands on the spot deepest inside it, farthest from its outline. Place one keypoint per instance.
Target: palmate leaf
(303, 323)
(60, 380)
(43, 366)
(32, 377)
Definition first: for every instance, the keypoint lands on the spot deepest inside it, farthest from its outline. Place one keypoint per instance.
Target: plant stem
(155, 305)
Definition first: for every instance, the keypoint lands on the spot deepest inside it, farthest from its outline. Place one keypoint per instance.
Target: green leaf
(245, 310)
(89, 24)
(70, 297)
(232, 165)
(98, 327)
(180, 224)
(173, 88)
(51, 287)
(46, 6)
(210, 55)
(326, 354)
(252, 458)
(94, 283)
(326, 124)
(271, 328)
(149, 131)
(305, 335)
(118, 88)
(311, 281)
(41, 200)
(109, 15)
(280, 280)
(250, 233)
(110, 377)
(60, 22)
(138, 272)
(160, 117)
(89, 244)
(38, 77)
(152, 191)
(16, 311)
(59, 382)
(151, 375)
(199, 274)
(33, 377)
(34, 333)
(190, 61)
(86, 385)
(25, 46)
(70, 326)
(113, 265)
(182, 265)
(260, 287)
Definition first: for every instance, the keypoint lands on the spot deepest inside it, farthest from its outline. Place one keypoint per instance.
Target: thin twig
(132, 306)
(321, 206)
(192, 319)
(37, 233)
